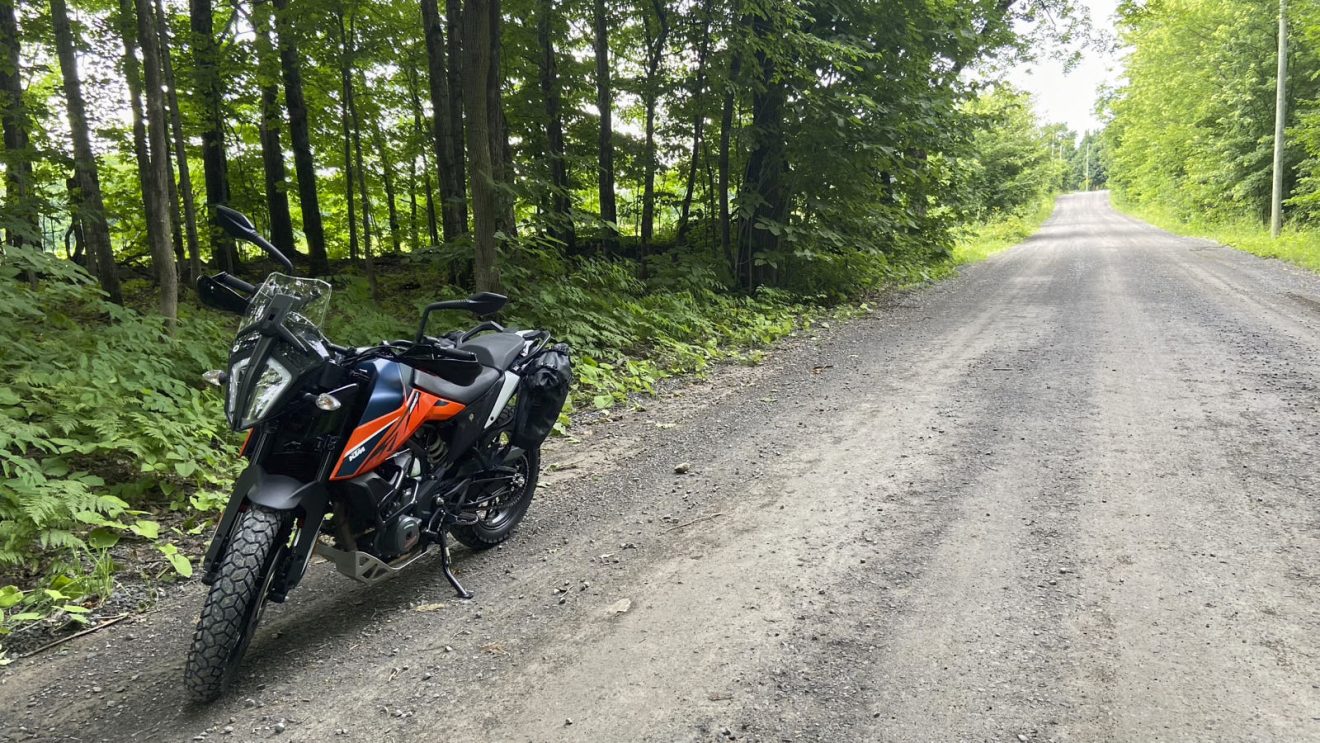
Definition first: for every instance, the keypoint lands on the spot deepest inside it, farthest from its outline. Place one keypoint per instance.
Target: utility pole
(1087, 181)
(1280, 118)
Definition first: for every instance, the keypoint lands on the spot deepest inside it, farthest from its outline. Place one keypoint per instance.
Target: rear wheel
(235, 602)
(497, 520)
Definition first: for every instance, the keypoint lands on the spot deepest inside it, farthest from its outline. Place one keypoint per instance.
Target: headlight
(271, 384)
(235, 381)
(274, 380)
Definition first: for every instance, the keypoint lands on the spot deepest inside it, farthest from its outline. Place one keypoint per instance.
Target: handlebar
(235, 283)
(483, 327)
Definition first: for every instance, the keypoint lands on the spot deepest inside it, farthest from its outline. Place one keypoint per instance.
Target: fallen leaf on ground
(619, 607)
(428, 607)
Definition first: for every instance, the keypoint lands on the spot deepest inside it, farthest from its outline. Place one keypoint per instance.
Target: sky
(1070, 98)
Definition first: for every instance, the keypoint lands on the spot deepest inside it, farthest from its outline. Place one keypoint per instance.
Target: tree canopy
(1192, 126)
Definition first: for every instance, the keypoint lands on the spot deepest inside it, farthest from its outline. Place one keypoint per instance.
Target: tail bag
(546, 378)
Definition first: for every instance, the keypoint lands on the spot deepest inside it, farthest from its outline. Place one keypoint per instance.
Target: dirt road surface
(1069, 495)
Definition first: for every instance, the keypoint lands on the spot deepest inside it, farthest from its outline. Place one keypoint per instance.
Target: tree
(605, 105)
(1192, 127)
(560, 219)
(272, 117)
(158, 177)
(210, 97)
(485, 207)
(304, 162)
(20, 214)
(180, 148)
(657, 33)
(442, 124)
(454, 57)
(87, 203)
(697, 94)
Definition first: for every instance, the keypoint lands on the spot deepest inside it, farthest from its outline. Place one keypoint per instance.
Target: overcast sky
(1070, 98)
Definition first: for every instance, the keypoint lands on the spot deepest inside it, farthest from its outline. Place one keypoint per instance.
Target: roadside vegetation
(664, 185)
(1189, 142)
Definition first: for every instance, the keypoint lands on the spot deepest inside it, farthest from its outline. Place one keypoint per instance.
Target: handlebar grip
(235, 283)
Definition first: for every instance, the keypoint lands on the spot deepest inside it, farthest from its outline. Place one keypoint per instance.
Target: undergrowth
(978, 242)
(106, 430)
(1295, 245)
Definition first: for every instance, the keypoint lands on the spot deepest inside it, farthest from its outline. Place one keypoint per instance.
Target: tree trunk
(767, 166)
(454, 54)
(20, 211)
(210, 94)
(650, 94)
(272, 117)
(345, 121)
(158, 138)
(442, 129)
(698, 121)
(605, 104)
(180, 149)
(419, 132)
(726, 136)
(414, 231)
(561, 196)
(501, 153)
(128, 31)
(477, 56)
(89, 207)
(299, 133)
(387, 178)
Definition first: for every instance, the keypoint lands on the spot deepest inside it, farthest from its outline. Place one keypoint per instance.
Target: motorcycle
(370, 457)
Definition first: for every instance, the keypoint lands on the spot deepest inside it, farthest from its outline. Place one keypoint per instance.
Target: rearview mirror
(217, 296)
(485, 303)
(234, 223)
(239, 227)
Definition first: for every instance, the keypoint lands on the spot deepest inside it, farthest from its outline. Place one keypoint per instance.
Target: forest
(663, 183)
(1190, 132)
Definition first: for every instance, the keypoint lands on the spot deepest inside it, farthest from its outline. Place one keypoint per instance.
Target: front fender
(276, 492)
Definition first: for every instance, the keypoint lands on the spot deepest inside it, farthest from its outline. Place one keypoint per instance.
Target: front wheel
(496, 521)
(233, 605)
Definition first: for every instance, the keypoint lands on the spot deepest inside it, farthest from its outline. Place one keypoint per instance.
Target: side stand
(462, 592)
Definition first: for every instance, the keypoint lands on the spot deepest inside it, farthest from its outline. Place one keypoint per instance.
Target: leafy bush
(102, 414)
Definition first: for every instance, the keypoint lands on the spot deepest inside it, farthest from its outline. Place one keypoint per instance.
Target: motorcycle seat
(459, 393)
(496, 350)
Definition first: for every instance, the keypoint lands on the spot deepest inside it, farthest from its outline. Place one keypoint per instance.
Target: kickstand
(462, 592)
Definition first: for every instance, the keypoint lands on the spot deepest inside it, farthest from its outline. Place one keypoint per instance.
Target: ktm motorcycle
(370, 457)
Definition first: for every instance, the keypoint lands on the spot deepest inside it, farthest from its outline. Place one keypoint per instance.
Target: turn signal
(215, 377)
(327, 402)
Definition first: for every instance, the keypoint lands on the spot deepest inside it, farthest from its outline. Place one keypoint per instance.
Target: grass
(981, 241)
(1296, 246)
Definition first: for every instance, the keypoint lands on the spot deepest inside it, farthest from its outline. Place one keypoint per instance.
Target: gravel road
(1067, 495)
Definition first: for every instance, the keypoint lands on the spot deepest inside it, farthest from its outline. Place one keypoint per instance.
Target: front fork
(306, 502)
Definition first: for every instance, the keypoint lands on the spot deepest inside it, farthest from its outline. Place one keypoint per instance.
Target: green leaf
(75, 609)
(27, 616)
(9, 596)
(102, 538)
(602, 401)
(145, 529)
(181, 564)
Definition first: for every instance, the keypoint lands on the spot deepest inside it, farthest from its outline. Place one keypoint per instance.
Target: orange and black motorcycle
(368, 456)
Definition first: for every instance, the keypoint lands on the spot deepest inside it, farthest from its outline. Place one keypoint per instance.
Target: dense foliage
(663, 183)
(1192, 128)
